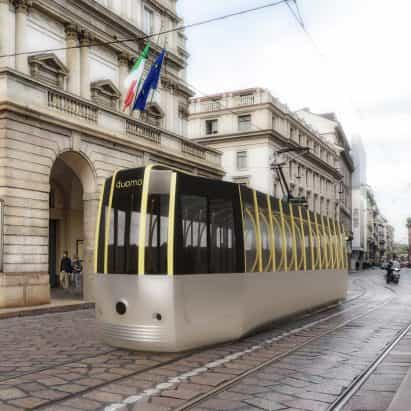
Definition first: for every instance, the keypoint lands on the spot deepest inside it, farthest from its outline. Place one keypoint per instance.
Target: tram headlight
(121, 307)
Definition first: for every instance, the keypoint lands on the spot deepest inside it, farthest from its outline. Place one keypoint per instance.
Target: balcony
(32, 95)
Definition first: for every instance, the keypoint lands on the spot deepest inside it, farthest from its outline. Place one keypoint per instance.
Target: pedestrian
(65, 270)
(77, 269)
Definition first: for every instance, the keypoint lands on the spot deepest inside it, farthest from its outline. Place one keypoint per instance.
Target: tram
(184, 261)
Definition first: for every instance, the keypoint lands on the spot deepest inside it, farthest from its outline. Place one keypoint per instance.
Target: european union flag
(151, 82)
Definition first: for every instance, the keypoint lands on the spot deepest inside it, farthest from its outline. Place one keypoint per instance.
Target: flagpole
(161, 70)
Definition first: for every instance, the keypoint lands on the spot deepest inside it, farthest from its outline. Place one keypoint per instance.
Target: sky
(356, 62)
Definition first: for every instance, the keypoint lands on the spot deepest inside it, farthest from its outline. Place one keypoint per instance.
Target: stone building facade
(248, 126)
(331, 130)
(62, 132)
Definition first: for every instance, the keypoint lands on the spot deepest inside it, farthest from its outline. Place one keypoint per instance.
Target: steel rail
(359, 381)
(225, 385)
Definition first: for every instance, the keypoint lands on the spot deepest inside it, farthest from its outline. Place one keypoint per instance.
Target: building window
(211, 126)
(242, 160)
(244, 122)
(148, 21)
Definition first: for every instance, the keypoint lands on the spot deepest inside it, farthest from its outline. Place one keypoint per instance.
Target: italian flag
(133, 80)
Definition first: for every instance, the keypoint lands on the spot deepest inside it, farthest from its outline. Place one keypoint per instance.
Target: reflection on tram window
(157, 234)
(250, 230)
(194, 230)
(264, 220)
(223, 250)
(124, 221)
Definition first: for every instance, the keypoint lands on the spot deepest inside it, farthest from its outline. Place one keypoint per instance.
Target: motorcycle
(393, 275)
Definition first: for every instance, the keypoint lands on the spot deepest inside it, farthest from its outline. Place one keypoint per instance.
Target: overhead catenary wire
(149, 36)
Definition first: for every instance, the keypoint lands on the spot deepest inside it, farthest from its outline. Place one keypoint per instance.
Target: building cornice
(266, 105)
(273, 136)
(105, 25)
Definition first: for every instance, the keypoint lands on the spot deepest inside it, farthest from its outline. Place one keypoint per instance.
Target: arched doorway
(73, 206)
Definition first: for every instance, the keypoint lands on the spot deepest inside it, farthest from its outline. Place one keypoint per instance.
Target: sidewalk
(56, 305)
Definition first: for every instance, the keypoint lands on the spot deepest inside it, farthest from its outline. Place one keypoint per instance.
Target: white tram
(184, 261)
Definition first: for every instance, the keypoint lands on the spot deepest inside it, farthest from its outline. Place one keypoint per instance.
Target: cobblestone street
(56, 362)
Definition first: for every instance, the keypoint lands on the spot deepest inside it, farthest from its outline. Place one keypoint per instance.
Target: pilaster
(85, 40)
(73, 58)
(22, 9)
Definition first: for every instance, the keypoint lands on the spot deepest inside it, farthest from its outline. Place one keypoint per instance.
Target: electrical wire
(149, 36)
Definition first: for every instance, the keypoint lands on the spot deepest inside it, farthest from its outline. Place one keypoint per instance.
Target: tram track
(189, 354)
(355, 386)
(280, 331)
(224, 386)
(173, 382)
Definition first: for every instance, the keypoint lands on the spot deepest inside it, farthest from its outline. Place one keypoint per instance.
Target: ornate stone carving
(22, 5)
(105, 92)
(153, 115)
(49, 68)
(123, 58)
(72, 31)
(85, 37)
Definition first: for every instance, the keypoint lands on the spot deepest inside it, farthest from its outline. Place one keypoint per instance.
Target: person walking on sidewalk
(65, 270)
(77, 269)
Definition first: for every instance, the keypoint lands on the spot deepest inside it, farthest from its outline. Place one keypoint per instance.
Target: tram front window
(124, 222)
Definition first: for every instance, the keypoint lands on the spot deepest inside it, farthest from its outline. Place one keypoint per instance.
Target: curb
(46, 310)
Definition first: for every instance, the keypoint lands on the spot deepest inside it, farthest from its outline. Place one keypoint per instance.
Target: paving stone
(222, 404)
(11, 393)
(28, 402)
(266, 404)
(83, 404)
(103, 396)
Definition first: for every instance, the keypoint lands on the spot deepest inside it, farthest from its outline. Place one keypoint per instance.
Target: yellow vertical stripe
(339, 244)
(272, 237)
(331, 245)
(320, 243)
(143, 221)
(108, 218)
(171, 222)
(335, 241)
(98, 225)
(344, 245)
(326, 241)
(300, 214)
(242, 222)
(284, 244)
(258, 234)
(294, 237)
(310, 234)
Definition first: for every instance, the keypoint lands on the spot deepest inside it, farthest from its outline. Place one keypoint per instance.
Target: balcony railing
(38, 96)
(134, 128)
(72, 106)
(247, 100)
(193, 150)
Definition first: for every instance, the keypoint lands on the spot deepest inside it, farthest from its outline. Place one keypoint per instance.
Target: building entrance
(71, 182)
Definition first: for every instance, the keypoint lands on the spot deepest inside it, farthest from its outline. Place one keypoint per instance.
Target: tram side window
(194, 213)
(222, 237)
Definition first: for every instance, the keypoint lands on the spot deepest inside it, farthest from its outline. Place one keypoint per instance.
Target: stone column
(22, 7)
(123, 70)
(73, 58)
(85, 40)
(5, 32)
(90, 210)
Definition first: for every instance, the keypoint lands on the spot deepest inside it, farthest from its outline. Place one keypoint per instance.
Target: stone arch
(73, 182)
